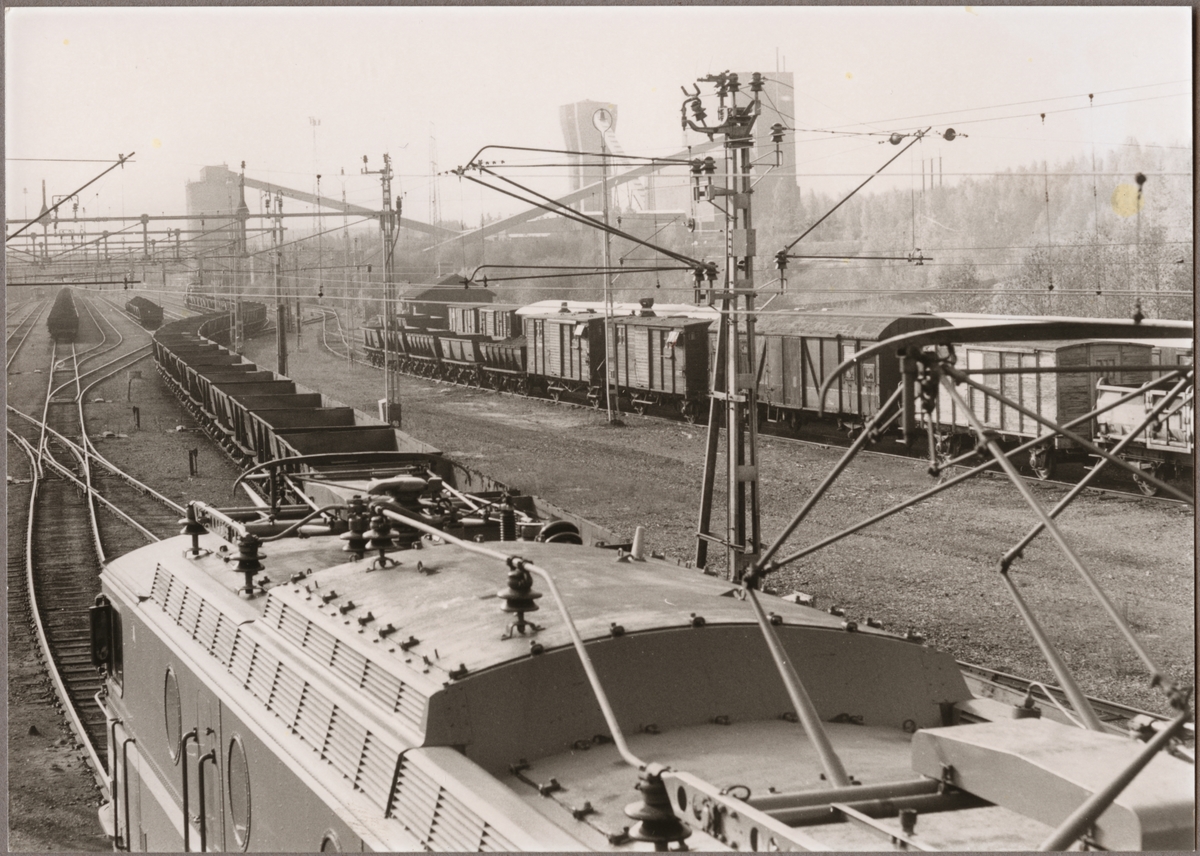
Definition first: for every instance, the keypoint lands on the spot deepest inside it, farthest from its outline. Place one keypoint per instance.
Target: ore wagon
(63, 320)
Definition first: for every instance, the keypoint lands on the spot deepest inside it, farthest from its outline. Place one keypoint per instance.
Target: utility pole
(435, 210)
(320, 249)
(602, 119)
(346, 267)
(734, 400)
(281, 358)
(388, 221)
(240, 263)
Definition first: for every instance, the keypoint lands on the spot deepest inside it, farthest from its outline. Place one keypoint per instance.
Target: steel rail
(33, 319)
(50, 390)
(90, 492)
(65, 471)
(1062, 429)
(74, 449)
(60, 688)
(81, 453)
(113, 468)
(325, 314)
(87, 305)
(70, 445)
(1017, 549)
(104, 366)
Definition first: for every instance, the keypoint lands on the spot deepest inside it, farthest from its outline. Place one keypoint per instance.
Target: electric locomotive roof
(447, 597)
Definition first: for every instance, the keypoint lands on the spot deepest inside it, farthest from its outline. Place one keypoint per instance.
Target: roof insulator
(656, 822)
(519, 598)
(248, 562)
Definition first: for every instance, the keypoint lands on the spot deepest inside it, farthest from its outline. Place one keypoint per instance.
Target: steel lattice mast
(734, 401)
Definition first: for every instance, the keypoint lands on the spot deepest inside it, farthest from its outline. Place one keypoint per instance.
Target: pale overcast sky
(189, 87)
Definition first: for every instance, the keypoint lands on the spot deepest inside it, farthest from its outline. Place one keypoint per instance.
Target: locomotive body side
(393, 709)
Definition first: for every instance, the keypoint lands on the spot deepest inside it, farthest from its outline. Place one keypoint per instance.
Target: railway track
(62, 565)
(80, 510)
(22, 329)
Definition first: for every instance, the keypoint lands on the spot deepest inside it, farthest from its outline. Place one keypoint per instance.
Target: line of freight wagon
(661, 358)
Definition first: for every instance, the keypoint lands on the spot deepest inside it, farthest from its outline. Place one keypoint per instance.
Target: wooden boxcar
(661, 361)
(566, 353)
(500, 320)
(463, 317)
(798, 351)
(1058, 396)
(1171, 354)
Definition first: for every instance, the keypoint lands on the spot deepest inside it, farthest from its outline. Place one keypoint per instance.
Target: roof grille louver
(206, 625)
(440, 819)
(285, 700)
(312, 718)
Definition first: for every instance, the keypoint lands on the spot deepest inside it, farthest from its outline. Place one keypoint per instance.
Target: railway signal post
(734, 401)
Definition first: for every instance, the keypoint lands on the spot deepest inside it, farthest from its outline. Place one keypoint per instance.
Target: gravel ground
(932, 568)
